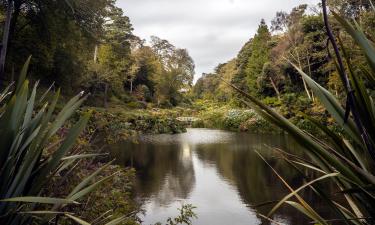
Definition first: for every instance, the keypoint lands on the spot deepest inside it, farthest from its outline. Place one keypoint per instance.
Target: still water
(219, 172)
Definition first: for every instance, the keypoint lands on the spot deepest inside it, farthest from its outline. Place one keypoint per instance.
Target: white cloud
(212, 30)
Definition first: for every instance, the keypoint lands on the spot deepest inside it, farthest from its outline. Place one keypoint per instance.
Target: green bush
(235, 118)
(116, 124)
(214, 116)
(272, 101)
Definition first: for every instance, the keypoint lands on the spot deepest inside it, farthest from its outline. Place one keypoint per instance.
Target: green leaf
(46, 93)
(300, 199)
(5, 93)
(65, 113)
(333, 106)
(117, 221)
(360, 39)
(67, 144)
(85, 182)
(89, 189)
(41, 200)
(30, 106)
(293, 193)
(316, 151)
(76, 219)
(23, 74)
(19, 107)
(73, 157)
(42, 139)
(42, 212)
(306, 212)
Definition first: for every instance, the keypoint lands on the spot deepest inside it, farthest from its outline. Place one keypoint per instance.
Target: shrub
(235, 118)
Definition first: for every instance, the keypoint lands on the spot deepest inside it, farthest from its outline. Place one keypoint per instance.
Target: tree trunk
(312, 96)
(304, 82)
(5, 41)
(131, 86)
(310, 74)
(276, 89)
(96, 54)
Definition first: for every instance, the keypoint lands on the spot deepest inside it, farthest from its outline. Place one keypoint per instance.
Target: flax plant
(28, 162)
(347, 160)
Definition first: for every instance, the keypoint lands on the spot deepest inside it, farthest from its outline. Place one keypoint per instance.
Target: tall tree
(178, 71)
(259, 56)
(351, 8)
(53, 30)
(149, 67)
(290, 25)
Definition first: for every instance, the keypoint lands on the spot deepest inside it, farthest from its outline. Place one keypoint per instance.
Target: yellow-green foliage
(117, 124)
(214, 115)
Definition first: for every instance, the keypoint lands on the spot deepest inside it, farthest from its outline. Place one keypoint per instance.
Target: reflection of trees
(238, 163)
(166, 172)
(162, 170)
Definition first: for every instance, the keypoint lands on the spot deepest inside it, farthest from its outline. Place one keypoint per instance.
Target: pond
(219, 172)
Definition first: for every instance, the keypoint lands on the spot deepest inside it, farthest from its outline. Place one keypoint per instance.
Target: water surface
(219, 172)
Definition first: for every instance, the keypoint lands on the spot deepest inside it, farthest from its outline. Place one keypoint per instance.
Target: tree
(290, 25)
(259, 56)
(132, 74)
(207, 86)
(226, 72)
(148, 66)
(239, 78)
(113, 64)
(177, 71)
(351, 8)
(269, 79)
(40, 28)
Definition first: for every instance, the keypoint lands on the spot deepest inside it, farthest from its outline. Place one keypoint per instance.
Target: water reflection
(163, 173)
(217, 171)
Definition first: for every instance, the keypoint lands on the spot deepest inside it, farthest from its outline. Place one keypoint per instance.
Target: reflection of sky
(199, 136)
(217, 202)
(186, 152)
(216, 171)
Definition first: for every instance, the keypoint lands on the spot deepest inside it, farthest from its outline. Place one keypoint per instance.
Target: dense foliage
(345, 158)
(85, 45)
(263, 67)
(288, 73)
(88, 47)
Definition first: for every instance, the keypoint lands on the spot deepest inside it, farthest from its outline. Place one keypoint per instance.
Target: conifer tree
(260, 55)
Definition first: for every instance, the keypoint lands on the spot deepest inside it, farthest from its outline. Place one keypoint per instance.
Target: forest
(76, 83)
(91, 47)
(264, 66)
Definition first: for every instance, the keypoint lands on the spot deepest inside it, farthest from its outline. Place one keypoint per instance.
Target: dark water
(218, 172)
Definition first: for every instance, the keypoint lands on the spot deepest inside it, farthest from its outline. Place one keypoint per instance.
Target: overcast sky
(213, 31)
